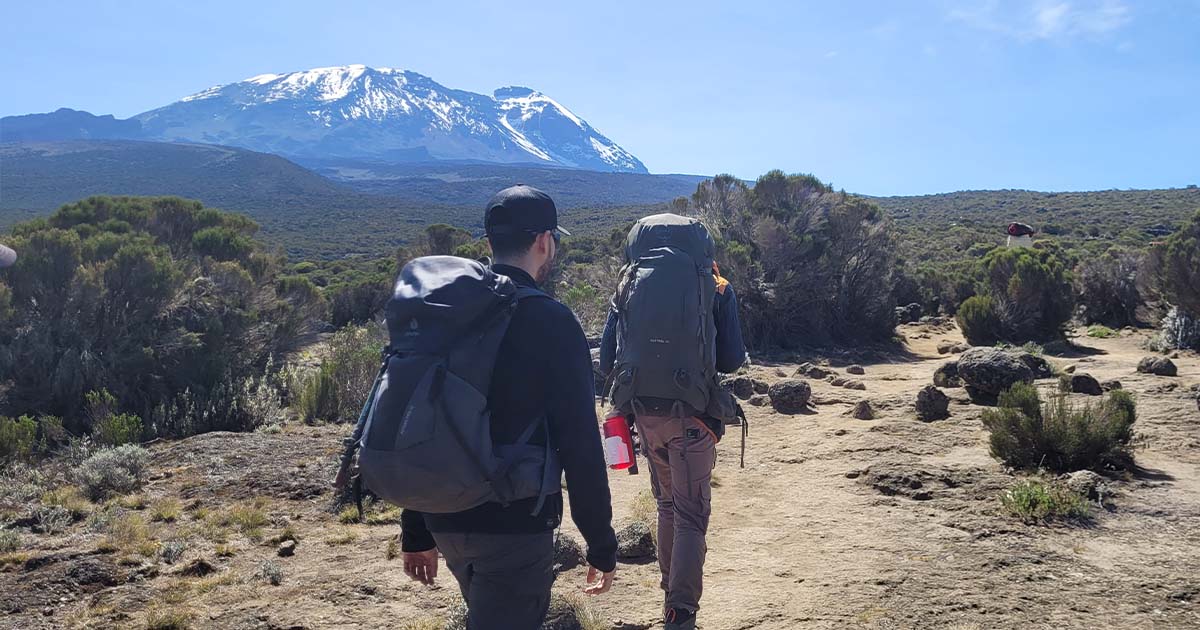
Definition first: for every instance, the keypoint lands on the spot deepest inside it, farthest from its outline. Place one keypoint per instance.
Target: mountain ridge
(354, 112)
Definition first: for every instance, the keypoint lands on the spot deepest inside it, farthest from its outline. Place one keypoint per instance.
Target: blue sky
(876, 97)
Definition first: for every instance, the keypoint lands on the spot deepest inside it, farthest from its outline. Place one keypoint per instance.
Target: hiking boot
(679, 619)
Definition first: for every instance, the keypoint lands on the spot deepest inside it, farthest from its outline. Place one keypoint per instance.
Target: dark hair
(512, 244)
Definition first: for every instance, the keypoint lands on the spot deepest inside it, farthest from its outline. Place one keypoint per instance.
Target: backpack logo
(662, 341)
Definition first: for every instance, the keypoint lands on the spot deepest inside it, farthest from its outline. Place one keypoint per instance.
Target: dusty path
(826, 527)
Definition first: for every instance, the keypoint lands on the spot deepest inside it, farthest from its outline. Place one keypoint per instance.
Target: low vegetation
(1035, 501)
(1061, 436)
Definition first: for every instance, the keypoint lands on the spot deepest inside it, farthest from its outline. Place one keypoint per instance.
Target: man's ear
(543, 242)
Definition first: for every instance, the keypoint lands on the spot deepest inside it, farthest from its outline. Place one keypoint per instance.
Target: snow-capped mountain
(386, 114)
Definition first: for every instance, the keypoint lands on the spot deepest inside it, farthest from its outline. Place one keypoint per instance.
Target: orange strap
(721, 282)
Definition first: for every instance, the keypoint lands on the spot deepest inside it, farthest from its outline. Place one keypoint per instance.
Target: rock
(1086, 483)
(987, 371)
(837, 381)
(812, 371)
(761, 386)
(760, 400)
(1039, 366)
(286, 549)
(1110, 385)
(862, 411)
(932, 404)
(947, 375)
(199, 567)
(635, 542)
(856, 369)
(959, 348)
(1158, 366)
(563, 614)
(94, 573)
(909, 314)
(567, 553)
(741, 386)
(852, 384)
(1083, 383)
(790, 396)
(1070, 369)
(944, 347)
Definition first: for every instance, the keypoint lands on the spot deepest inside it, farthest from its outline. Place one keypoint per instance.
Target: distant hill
(308, 214)
(67, 124)
(466, 183)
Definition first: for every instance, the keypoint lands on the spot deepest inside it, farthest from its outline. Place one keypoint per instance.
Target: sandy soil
(834, 523)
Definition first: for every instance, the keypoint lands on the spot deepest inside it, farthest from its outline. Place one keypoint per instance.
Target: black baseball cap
(7, 257)
(521, 208)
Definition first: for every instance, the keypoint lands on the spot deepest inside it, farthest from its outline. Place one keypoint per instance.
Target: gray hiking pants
(505, 578)
(682, 454)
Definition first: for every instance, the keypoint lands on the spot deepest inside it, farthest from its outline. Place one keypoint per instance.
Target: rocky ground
(836, 522)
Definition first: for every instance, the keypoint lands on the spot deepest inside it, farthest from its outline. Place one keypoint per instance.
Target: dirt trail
(834, 523)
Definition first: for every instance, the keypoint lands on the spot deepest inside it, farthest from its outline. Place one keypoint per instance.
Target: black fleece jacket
(544, 367)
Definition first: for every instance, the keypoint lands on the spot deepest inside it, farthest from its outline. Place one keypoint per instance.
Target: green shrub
(1106, 288)
(337, 390)
(1100, 331)
(977, 319)
(1030, 291)
(17, 437)
(1059, 436)
(118, 429)
(1175, 267)
(1035, 501)
(111, 471)
(317, 398)
(164, 304)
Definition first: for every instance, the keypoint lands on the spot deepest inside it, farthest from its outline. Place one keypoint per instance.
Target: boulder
(286, 549)
(909, 314)
(944, 347)
(932, 404)
(837, 381)
(567, 553)
(1039, 366)
(760, 400)
(1086, 483)
(959, 348)
(987, 371)
(856, 385)
(1110, 385)
(812, 371)
(856, 369)
(1083, 383)
(862, 411)
(761, 386)
(635, 542)
(1158, 366)
(947, 375)
(790, 396)
(741, 386)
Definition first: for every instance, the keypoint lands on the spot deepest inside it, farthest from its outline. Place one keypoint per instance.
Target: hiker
(666, 338)
(502, 554)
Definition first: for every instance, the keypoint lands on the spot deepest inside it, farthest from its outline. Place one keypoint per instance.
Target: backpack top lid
(669, 230)
(444, 293)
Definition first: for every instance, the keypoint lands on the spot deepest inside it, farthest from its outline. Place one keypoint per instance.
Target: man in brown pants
(679, 437)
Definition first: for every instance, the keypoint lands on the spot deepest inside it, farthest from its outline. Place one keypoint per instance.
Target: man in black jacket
(502, 555)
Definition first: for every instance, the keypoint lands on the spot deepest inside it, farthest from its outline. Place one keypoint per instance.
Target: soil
(833, 523)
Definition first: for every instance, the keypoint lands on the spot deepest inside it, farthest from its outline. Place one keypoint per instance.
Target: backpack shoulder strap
(524, 292)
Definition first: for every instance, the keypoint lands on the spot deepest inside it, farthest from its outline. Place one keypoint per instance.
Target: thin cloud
(1045, 19)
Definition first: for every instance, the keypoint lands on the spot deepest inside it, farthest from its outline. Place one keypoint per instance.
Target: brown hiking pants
(682, 453)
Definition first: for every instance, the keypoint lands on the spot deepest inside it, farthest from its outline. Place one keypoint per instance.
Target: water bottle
(618, 443)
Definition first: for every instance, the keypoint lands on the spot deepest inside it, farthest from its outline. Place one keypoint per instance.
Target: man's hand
(599, 582)
(421, 566)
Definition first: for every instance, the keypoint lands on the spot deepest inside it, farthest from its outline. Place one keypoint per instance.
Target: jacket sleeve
(414, 535)
(608, 344)
(575, 432)
(731, 350)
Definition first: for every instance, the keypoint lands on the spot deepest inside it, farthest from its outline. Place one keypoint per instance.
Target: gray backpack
(426, 443)
(666, 338)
